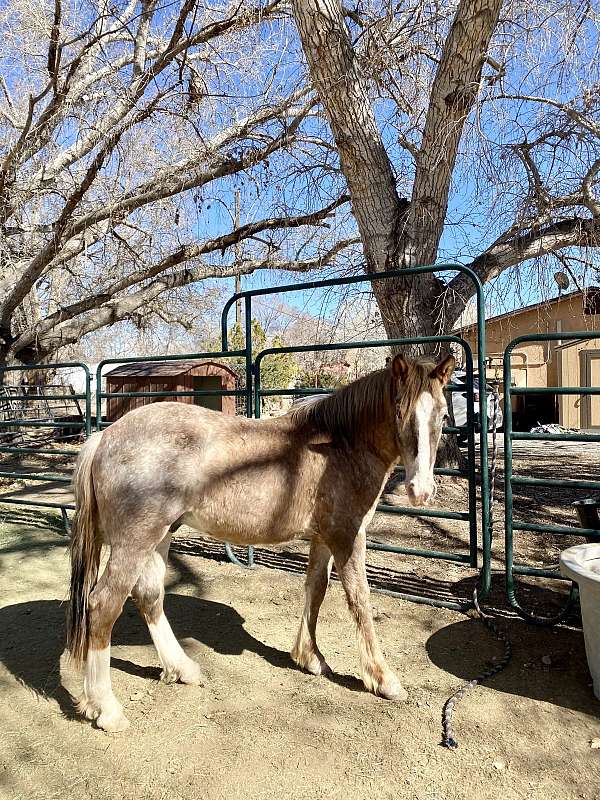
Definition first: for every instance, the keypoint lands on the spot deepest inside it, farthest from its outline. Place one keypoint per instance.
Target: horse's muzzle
(418, 494)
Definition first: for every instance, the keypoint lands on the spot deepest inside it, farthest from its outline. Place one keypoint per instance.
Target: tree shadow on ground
(32, 518)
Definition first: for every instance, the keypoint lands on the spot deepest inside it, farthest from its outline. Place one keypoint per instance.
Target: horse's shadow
(33, 638)
(32, 642)
(217, 626)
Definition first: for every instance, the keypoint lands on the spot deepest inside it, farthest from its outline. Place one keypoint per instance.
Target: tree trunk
(396, 232)
(409, 310)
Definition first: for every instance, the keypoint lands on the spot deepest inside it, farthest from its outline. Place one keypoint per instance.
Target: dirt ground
(260, 728)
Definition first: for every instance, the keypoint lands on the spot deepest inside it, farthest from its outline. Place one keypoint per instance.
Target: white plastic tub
(582, 564)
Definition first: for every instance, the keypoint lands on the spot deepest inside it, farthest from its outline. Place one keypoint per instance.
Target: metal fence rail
(510, 436)
(49, 494)
(255, 394)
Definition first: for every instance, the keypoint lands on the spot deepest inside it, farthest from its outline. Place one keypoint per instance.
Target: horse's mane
(356, 409)
(418, 380)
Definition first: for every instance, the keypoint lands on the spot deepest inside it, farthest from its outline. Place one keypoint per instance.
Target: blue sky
(477, 213)
(471, 201)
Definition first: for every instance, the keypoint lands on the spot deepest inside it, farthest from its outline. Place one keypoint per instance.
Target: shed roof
(164, 368)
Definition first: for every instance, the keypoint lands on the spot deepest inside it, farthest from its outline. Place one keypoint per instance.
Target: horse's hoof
(113, 721)
(392, 689)
(88, 708)
(318, 666)
(313, 663)
(191, 674)
(110, 719)
(188, 673)
(169, 676)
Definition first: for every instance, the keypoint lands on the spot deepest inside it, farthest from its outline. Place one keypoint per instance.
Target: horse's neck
(383, 443)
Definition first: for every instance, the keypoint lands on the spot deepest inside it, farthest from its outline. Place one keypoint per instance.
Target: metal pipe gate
(511, 480)
(253, 394)
(13, 402)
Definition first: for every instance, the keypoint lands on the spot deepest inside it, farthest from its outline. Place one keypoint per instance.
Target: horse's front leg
(305, 651)
(349, 553)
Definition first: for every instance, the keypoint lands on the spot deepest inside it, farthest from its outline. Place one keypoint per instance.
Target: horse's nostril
(417, 495)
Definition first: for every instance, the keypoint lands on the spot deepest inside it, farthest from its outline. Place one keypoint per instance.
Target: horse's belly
(245, 528)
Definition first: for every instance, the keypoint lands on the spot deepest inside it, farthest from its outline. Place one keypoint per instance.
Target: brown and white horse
(316, 472)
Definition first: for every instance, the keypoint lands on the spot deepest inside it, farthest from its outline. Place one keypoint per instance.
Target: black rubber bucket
(587, 511)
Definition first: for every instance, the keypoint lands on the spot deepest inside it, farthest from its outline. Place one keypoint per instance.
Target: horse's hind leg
(104, 607)
(349, 553)
(148, 594)
(305, 651)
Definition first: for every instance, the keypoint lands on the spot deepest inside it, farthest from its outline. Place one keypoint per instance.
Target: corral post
(511, 525)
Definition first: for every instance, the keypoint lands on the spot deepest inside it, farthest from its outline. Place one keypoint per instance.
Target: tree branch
(47, 336)
(194, 251)
(452, 97)
(53, 50)
(343, 89)
(568, 109)
(191, 174)
(138, 85)
(508, 252)
(15, 286)
(141, 38)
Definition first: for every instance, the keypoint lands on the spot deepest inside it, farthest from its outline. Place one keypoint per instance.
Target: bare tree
(126, 126)
(502, 97)
(123, 126)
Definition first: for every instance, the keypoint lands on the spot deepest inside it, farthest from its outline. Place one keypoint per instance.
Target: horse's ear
(443, 371)
(400, 367)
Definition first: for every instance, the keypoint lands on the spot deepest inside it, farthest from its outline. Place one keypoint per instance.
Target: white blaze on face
(419, 466)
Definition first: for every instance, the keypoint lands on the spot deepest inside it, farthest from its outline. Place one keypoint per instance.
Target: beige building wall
(546, 363)
(579, 365)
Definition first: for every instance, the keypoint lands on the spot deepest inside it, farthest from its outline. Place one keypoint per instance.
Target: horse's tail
(85, 552)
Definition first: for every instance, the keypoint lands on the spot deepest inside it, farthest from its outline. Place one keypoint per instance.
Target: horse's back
(167, 460)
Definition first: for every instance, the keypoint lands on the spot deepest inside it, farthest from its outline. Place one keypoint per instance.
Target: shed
(186, 375)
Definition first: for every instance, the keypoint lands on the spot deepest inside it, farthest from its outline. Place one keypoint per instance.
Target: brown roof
(164, 368)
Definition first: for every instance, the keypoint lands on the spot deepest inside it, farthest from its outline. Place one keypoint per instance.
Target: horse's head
(421, 411)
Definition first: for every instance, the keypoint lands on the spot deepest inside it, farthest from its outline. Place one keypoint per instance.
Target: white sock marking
(96, 683)
(169, 650)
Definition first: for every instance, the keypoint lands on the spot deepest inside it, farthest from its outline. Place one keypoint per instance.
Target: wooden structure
(170, 376)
